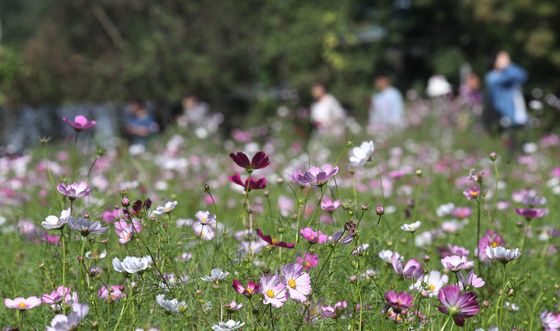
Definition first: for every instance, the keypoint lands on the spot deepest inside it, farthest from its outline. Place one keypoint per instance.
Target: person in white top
(326, 112)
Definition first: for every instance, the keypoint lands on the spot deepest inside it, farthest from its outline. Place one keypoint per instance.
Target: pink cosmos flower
(80, 123)
(329, 205)
(472, 193)
(125, 231)
(297, 282)
(274, 242)
(462, 212)
(249, 290)
(20, 303)
(399, 301)
(273, 289)
(74, 190)
(457, 304)
(313, 237)
(308, 262)
(456, 263)
(61, 293)
(318, 176)
(335, 310)
(250, 183)
(233, 306)
(550, 321)
(531, 213)
(490, 239)
(471, 281)
(114, 293)
(260, 160)
(411, 270)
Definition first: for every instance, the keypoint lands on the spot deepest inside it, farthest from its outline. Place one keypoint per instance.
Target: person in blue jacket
(504, 91)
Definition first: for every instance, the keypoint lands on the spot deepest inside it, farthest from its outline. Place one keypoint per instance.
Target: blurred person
(438, 86)
(194, 111)
(139, 124)
(505, 96)
(470, 98)
(386, 107)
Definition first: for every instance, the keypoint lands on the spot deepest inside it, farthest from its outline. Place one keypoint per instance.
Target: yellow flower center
(270, 293)
(204, 220)
(494, 244)
(249, 290)
(22, 305)
(306, 264)
(431, 287)
(275, 241)
(474, 193)
(292, 283)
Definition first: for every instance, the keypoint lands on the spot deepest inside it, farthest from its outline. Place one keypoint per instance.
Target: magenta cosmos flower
(335, 310)
(457, 304)
(250, 183)
(114, 293)
(249, 290)
(274, 242)
(20, 303)
(313, 237)
(308, 261)
(399, 301)
(318, 176)
(61, 294)
(490, 239)
(411, 270)
(531, 213)
(80, 123)
(74, 190)
(260, 160)
(297, 282)
(273, 289)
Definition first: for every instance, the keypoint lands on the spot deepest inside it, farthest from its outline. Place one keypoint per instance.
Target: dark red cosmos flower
(250, 183)
(274, 242)
(260, 160)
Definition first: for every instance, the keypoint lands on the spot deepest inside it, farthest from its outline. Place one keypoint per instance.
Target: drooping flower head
(125, 231)
(80, 123)
(274, 242)
(74, 190)
(250, 183)
(458, 305)
(298, 282)
(260, 160)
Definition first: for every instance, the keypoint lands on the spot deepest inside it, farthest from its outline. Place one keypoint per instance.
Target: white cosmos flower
(52, 222)
(227, 326)
(412, 227)
(386, 255)
(205, 232)
(502, 254)
(431, 283)
(174, 305)
(361, 154)
(96, 255)
(445, 209)
(132, 264)
(166, 209)
(360, 250)
(215, 275)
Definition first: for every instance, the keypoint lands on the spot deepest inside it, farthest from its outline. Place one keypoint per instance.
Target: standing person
(328, 117)
(194, 110)
(386, 107)
(139, 124)
(505, 95)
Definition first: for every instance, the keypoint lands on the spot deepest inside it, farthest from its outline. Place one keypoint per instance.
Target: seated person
(139, 124)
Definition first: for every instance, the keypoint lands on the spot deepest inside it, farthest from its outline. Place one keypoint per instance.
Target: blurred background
(62, 58)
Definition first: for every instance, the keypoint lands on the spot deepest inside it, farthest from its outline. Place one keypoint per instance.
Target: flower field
(431, 228)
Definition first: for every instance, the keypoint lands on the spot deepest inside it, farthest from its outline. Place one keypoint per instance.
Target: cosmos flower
(132, 264)
(308, 262)
(313, 237)
(531, 213)
(273, 242)
(361, 154)
(456, 263)
(250, 183)
(20, 303)
(233, 306)
(502, 254)
(114, 293)
(399, 301)
(490, 239)
(125, 231)
(227, 326)
(472, 193)
(80, 123)
(62, 294)
(86, 227)
(360, 250)
(273, 289)
(471, 281)
(173, 305)
(165, 209)
(458, 305)
(431, 283)
(329, 205)
(70, 321)
(334, 311)
(412, 227)
(387, 256)
(260, 160)
(297, 282)
(216, 275)
(52, 222)
(411, 270)
(74, 190)
(550, 321)
(318, 176)
(248, 291)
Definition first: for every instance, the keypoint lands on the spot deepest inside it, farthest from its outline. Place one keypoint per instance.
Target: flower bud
(379, 210)
(493, 156)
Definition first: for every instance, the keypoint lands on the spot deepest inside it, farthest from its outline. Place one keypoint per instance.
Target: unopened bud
(379, 210)
(493, 156)
(125, 202)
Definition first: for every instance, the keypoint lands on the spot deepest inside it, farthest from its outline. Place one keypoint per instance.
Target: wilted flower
(458, 305)
(502, 254)
(80, 123)
(74, 190)
(360, 250)
(173, 305)
(274, 290)
(52, 222)
(298, 283)
(132, 264)
(361, 154)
